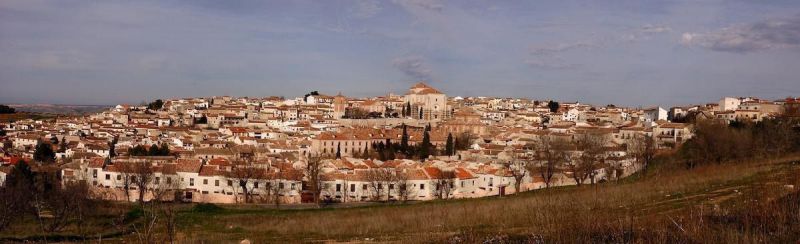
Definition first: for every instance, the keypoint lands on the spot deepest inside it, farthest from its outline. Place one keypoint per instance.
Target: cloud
(413, 66)
(765, 35)
(550, 56)
(429, 5)
(645, 32)
(59, 60)
(365, 9)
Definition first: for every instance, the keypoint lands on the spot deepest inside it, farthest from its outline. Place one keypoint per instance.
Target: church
(427, 103)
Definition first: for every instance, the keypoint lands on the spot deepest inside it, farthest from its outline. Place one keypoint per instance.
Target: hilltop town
(422, 145)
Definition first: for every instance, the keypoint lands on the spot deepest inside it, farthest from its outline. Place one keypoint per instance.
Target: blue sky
(636, 53)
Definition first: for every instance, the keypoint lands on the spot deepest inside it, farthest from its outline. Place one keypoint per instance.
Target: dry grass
(670, 206)
(744, 202)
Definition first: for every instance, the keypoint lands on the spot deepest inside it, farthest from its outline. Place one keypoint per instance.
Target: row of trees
(390, 150)
(39, 195)
(5, 109)
(582, 158)
(715, 142)
(154, 150)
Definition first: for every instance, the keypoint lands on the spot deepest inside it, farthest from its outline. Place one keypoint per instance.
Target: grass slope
(668, 205)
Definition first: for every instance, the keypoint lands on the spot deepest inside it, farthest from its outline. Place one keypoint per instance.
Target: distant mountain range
(59, 108)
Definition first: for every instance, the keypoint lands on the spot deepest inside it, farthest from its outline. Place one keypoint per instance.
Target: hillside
(718, 203)
(59, 108)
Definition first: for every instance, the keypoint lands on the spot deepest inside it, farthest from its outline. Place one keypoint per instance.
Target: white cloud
(764, 35)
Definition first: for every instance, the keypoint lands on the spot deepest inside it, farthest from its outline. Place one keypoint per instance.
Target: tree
(244, 172)
(553, 155)
(4, 109)
(365, 154)
(155, 105)
(112, 148)
(379, 180)
(444, 184)
(517, 168)
(642, 148)
(138, 150)
(404, 139)
(463, 141)
(16, 194)
(338, 150)
(425, 146)
(592, 156)
(274, 186)
(553, 105)
(44, 153)
(408, 109)
(449, 147)
(142, 175)
(313, 173)
(404, 186)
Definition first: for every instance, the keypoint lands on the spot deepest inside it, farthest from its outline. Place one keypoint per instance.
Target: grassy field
(717, 203)
(743, 202)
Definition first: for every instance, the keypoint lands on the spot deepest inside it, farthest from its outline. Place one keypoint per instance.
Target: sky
(632, 53)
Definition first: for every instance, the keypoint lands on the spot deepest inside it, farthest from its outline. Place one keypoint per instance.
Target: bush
(206, 208)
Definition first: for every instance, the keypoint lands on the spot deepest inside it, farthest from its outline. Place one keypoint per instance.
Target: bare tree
(444, 184)
(166, 194)
(592, 154)
(553, 154)
(517, 168)
(379, 180)
(141, 177)
(244, 172)
(642, 148)
(274, 186)
(403, 185)
(313, 173)
(126, 173)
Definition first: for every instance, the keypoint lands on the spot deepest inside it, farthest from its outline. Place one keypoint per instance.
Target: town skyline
(628, 53)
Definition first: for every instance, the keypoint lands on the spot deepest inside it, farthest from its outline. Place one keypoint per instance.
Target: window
(391, 186)
(119, 177)
(352, 187)
(191, 181)
(364, 187)
(205, 181)
(216, 182)
(293, 186)
(108, 176)
(422, 186)
(280, 185)
(158, 180)
(338, 187)
(169, 180)
(230, 183)
(255, 184)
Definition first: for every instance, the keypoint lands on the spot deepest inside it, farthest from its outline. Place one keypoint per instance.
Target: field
(717, 203)
(720, 203)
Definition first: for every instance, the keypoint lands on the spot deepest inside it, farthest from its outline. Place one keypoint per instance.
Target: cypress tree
(449, 146)
(424, 149)
(154, 150)
(404, 139)
(338, 150)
